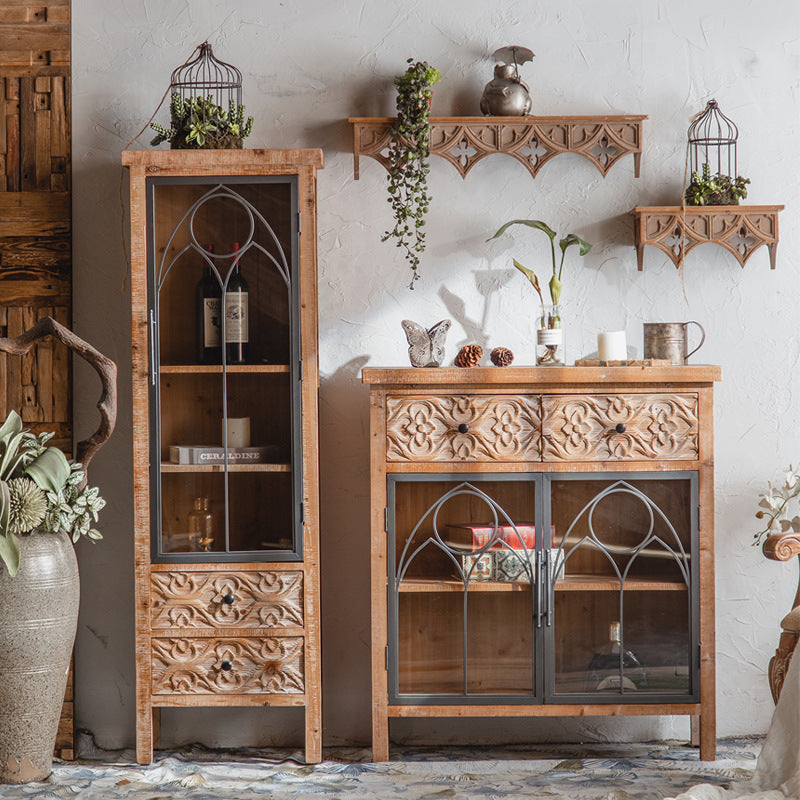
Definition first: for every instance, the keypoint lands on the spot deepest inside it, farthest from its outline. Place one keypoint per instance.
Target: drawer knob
(226, 666)
(620, 427)
(228, 599)
(463, 428)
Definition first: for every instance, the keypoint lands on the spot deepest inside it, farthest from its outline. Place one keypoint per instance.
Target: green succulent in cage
(199, 123)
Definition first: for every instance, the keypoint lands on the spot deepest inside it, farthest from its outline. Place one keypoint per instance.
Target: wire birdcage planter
(712, 141)
(206, 108)
(206, 76)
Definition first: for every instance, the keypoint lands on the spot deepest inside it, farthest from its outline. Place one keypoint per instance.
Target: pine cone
(502, 357)
(469, 355)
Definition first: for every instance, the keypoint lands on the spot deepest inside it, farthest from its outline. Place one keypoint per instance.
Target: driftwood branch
(104, 366)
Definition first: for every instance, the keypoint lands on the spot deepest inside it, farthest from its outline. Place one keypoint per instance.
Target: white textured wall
(308, 65)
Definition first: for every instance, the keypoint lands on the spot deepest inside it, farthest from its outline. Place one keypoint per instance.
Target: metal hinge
(302, 513)
(698, 517)
(699, 655)
(300, 369)
(386, 520)
(387, 657)
(299, 223)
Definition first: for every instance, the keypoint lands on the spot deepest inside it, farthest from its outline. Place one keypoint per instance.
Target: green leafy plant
(550, 319)
(776, 504)
(198, 122)
(706, 189)
(409, 151)
(40, 490)
(554, 284)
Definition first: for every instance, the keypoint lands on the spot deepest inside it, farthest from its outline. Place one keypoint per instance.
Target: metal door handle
(152, 347)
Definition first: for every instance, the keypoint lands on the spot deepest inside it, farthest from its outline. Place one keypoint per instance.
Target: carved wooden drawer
(463, 428)
(203, 600)
(205, 665)
(620, 427)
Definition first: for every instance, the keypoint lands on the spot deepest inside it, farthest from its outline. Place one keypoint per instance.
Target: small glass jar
(550, 338)
(201, 525)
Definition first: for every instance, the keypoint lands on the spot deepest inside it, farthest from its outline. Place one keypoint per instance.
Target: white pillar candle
(611, 346)
(238, 431)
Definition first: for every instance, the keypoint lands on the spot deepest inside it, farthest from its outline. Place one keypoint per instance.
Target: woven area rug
(596, 772)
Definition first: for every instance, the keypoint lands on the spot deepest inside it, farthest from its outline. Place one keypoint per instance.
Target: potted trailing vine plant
(198, 123)
(550, 330)
(706, 189)
(45, 506)
(409, 151)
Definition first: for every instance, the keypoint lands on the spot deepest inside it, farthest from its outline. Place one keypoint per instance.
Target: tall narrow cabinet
(542, 544)
(225, 441)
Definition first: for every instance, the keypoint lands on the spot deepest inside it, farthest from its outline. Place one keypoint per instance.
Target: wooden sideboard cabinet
(542, 544)
(225, 466)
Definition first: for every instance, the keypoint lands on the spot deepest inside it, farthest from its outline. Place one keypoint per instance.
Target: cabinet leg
(708, 739)
(695, 728)
(313, 734)
(144, 735)
(380, 738)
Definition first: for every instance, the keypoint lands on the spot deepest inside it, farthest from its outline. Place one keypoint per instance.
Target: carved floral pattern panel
(228, 666)
(629, 427)
(463, 428)
(202, 600)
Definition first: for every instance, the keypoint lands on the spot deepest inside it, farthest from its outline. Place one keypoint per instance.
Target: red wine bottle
(209, 320)
(236, 314)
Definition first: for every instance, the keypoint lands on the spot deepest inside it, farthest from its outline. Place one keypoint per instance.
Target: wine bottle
(236, 314)
(209, 322)
(607, 671)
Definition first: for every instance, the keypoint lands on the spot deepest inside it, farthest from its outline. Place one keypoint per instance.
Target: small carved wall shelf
(464, 141)
(741, 230)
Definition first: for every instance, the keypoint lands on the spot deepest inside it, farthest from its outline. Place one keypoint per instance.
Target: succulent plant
(706, 189)
(198, 122)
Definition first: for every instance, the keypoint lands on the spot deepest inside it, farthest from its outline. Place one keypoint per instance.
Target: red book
(474, 535)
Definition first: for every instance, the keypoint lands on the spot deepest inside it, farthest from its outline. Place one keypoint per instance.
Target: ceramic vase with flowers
(45, 506)
(549, 323)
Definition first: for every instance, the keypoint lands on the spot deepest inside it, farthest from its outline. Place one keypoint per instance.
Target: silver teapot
(506, 95)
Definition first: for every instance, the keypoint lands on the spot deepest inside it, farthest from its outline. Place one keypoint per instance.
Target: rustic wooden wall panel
(35, 223)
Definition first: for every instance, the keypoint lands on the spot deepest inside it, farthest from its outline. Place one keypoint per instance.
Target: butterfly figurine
(426, 347)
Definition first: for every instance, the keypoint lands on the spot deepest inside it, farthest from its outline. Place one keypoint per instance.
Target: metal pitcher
(670, 340)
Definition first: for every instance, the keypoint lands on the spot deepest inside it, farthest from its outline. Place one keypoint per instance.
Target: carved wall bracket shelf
(464, 141)
(741, 230)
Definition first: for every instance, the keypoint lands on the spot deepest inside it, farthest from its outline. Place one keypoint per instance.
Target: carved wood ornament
(620, 427)
(463, 428)
(783, 547)
(533, 141)
(228, 666)
(676, 231)
(202, 600)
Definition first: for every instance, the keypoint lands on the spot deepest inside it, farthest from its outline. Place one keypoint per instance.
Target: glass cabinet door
(225, 383)
(462, 588)
(624, 593)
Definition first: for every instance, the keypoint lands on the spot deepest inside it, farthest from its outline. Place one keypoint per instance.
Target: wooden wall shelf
(675, 230)
(464, 141)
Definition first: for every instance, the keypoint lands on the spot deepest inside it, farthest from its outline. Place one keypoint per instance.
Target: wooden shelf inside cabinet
(676, 230)
(216, 369)
(572, 583)
(169, 467)
(533, 141)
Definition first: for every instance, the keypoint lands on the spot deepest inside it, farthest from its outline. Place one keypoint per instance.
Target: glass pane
(222, 291)
(464, 558)
(622, 609)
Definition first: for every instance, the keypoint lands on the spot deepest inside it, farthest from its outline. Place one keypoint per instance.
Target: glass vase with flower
(549, 325)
